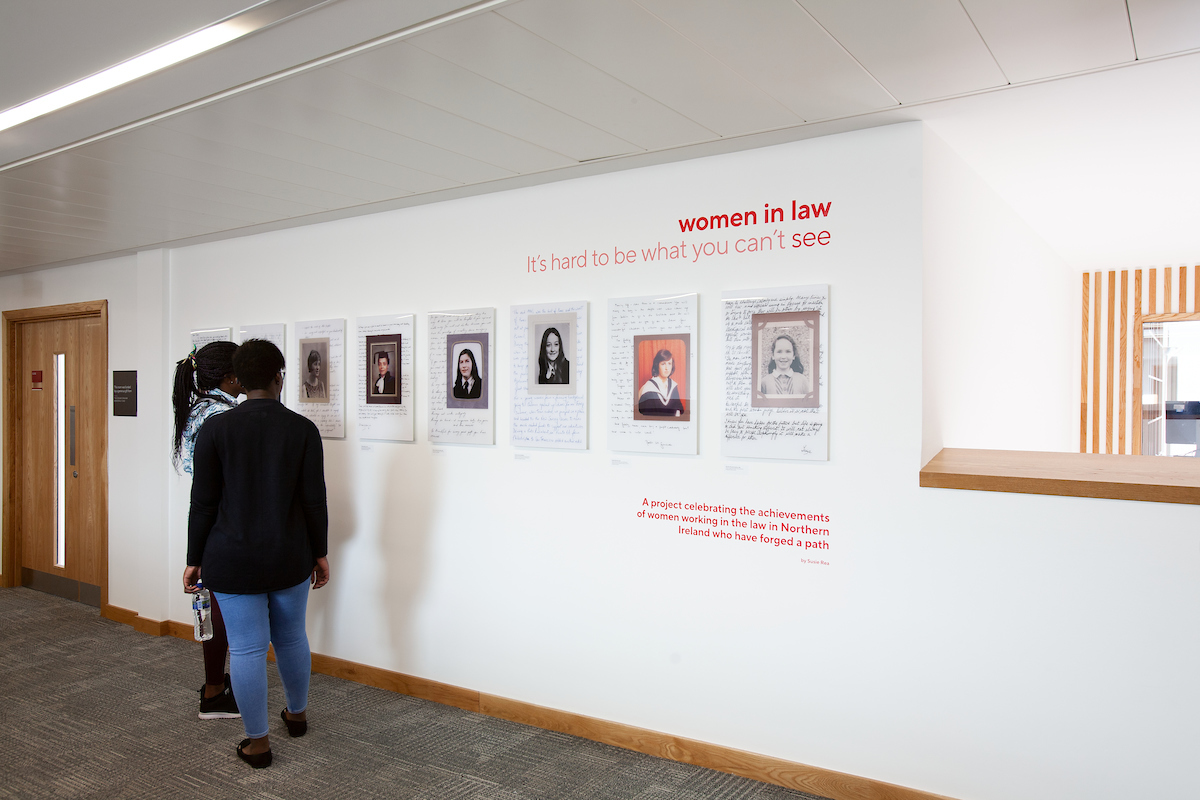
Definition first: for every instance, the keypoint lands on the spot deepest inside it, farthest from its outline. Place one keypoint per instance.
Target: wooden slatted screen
(1109, 398)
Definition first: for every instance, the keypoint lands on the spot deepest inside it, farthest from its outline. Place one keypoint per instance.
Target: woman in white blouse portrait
(785, 374)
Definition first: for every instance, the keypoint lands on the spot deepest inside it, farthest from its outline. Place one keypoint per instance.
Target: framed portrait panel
(549, 366)
(382, 369)
(785, 369)
(776, 373)
(461, 410)
(314, 370)
(385, 398)
(653, 371)
(467, 370)
(552, 359)
(661, 373)
(319, 367)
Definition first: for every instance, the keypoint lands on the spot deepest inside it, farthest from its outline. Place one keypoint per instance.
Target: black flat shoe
(296, 727)
(256, 760)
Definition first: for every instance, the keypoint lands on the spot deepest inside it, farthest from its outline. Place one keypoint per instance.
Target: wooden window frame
(1138, 321)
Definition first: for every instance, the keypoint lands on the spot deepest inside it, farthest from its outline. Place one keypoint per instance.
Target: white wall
(971, 644)
(135, 448)
(1000, 318)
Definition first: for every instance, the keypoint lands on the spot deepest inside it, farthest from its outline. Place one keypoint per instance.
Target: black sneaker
(223, 706)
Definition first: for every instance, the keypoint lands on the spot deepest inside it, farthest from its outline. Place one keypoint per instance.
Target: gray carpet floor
(90, 708)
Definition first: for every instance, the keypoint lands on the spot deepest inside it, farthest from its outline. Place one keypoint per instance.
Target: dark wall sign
(124, 392)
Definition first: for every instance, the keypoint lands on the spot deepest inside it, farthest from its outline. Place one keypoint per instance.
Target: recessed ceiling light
(247, 22)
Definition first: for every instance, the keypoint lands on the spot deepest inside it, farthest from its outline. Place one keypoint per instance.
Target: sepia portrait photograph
(383, 368)
(552, 353)
(660, 373)
(467, 370)
(785, 349)
(314, 370)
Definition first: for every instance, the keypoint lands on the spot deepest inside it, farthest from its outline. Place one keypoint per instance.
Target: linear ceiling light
(235, 27)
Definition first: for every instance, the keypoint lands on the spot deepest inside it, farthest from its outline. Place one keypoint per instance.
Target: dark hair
(796, 365)
(543, 362)
(313, 355)
(256, 362)
(195, 378)
(382, 354)
(659, 357)
(458, 380)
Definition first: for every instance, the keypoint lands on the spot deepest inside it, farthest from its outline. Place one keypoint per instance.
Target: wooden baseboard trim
(139, 623)
(180, 630)
(397, 682)
(789, 774)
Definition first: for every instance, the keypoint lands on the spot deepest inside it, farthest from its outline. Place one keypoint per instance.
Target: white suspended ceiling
(284, 127)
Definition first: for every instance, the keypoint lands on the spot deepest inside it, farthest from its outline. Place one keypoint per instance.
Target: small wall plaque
(124, 392)
(35, 379)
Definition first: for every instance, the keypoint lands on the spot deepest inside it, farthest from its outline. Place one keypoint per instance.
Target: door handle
(73, 439)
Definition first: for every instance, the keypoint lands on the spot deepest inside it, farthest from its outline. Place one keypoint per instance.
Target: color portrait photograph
(314, 371)
(467, 370)
(552, 353)
(785, 349)
(660, 375)
(382, 369)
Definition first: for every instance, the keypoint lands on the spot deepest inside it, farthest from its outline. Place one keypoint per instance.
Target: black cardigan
(258, 519)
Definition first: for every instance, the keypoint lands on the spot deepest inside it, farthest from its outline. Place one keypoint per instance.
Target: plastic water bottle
(202, 613)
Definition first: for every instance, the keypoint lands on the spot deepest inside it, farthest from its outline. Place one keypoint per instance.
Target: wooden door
(57, 465)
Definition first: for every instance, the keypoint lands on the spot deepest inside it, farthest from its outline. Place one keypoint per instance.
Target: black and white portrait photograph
(552, 353)
(314, 370)
(660, 364)
(783, 350)
(467, 370)
(383, 369)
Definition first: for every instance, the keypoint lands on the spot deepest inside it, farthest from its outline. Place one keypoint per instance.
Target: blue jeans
(253, 620)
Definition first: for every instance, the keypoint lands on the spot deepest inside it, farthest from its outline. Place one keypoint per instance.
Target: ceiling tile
(252, 120)
(366, 97)
(1164, 26)
(918, 49)
(175, 136)
(88, 37)
(631, 44)
(293, 154)
(442, 84)
(293, 103)
(492, 46)
(1034, 39)
(174, 152)
(777, 46)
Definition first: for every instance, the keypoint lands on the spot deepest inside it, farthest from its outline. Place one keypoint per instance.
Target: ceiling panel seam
(987, 46)
(851, 56)
(412, 30)
(1132, 34)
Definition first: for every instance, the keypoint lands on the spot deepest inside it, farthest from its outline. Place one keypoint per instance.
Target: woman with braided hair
(204, 387)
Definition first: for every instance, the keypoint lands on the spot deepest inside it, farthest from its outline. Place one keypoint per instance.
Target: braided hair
(195, 379)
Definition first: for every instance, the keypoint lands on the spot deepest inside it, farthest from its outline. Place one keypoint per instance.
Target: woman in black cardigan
(258, 531)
